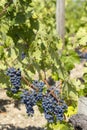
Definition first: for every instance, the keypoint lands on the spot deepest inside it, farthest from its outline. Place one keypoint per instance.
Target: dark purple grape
(53, 110)
(23, 55)
(15, 78)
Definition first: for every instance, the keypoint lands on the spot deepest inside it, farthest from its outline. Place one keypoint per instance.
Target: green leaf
(20, 18)
(1, 49)
(34, 23)
(1, 8)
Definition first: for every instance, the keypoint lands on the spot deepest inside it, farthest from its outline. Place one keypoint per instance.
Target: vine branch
(51, 91)
(29, 84)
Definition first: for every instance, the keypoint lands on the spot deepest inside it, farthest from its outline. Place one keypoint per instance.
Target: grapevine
(52, 105)
(29, 43)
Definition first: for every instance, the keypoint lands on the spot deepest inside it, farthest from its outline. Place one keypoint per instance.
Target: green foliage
(76, 35)
(59, 126)
(75, 15)
(29, 26)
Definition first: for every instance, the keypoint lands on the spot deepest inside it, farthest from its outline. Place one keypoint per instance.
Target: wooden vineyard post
(60, 18)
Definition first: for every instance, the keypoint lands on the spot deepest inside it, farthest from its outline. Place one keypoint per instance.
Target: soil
(14, 116)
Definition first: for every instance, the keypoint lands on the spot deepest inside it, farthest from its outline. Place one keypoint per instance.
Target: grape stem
(44, 74)
(51, 91)
(30, 85)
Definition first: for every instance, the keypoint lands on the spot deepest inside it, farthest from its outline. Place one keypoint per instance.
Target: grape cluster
(23, 55)
(15, 78)
(30, 99)
(40, 86)
(53, 109)
(82, 55)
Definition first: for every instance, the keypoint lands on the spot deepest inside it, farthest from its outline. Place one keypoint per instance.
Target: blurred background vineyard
(29, 27)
